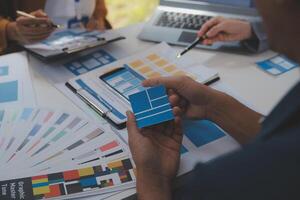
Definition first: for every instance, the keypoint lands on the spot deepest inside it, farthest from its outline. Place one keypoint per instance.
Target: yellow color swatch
(153, 57)
(161, 63)
(116, 164)
(43, 180)
(179, 73)
(41, 190)
(170, 68)
(136, 64)
(154, 75)
(145, 70)
(86, 171)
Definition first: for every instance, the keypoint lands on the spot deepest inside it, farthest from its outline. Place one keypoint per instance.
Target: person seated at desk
(267, 164)
(22, 30)
(90, 14)
(220, 29)
(19, 30)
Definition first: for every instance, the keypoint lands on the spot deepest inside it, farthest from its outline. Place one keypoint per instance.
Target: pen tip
(178, 55)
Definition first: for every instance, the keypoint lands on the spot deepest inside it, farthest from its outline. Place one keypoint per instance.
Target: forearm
(239, 121)
(152, 186)
(259, 41)
(100, 9)
(3, 34)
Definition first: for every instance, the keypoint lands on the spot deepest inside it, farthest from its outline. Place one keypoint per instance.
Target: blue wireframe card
(151, 106)
(277, 65)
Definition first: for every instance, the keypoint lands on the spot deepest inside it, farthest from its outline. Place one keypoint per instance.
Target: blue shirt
(267, 168)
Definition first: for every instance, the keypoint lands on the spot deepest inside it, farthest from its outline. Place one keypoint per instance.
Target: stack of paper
(54, 154)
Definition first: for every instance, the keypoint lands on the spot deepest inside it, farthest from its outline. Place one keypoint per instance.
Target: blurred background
(124, 13)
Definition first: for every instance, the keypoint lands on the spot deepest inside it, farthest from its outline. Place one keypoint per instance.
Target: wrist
(11, 31)
(216, 105)
(151, 185)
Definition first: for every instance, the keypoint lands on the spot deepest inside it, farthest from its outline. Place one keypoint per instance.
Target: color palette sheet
(61, 154)
(151, 106)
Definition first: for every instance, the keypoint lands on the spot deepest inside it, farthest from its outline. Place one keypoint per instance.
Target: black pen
(195, 43)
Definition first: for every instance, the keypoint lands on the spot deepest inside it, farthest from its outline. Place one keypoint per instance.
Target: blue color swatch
(277, 65)
(151, 106)
(8, 91)
(4, 71)
(201, 132)
(89, 62)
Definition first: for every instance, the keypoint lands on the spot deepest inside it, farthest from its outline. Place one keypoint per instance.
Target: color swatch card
(151, 106)
(15, 82)
(277, 65)
(62, 155)
(69, 184)
(111, 93)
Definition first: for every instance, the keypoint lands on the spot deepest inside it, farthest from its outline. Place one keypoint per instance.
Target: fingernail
(128, 112)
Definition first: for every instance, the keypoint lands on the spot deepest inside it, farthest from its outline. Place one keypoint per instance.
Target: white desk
(261, 90)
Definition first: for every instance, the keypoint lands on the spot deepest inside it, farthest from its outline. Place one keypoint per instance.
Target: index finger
(208, 25)
(173, 82)
(25, 21)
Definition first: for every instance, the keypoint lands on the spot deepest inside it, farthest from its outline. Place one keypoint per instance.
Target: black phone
(124, 81)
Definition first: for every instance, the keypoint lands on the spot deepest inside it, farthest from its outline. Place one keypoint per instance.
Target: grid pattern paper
(277, 65)
(89, 62)
(151, 106)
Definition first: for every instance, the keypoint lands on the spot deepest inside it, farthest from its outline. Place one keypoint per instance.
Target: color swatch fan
(54, 154)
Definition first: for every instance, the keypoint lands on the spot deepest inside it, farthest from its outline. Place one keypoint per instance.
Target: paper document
(71, 40)
(111, 96)
(15, 82)
(47, 154)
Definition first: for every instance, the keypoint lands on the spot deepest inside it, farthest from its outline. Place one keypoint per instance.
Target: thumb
(132, 128)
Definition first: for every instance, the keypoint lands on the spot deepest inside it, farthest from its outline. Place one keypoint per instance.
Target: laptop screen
(238, 3)
(231, 3)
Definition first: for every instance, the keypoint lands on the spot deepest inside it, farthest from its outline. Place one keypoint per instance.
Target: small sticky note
(8, 91)
(3, 70)
(153, 57)
(277, 65)
(161, 63)
(151, 106)
(136, 64)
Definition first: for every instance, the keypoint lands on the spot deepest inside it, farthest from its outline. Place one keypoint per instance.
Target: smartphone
(124, 81)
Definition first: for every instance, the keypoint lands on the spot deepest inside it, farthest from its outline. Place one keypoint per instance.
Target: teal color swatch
(8, 91)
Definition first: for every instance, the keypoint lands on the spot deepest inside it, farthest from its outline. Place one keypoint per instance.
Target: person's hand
(189, 98)
(220, 29)
(156, 152)
(96, 24)
(28, 30)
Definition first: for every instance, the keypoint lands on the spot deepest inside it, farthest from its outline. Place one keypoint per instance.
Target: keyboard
(182, 20)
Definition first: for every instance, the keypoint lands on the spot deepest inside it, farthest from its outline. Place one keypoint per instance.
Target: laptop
(178, 21)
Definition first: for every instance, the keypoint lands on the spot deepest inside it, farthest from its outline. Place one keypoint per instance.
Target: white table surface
(260, 89)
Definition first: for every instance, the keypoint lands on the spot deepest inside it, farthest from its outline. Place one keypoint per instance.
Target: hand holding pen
(30, 28)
